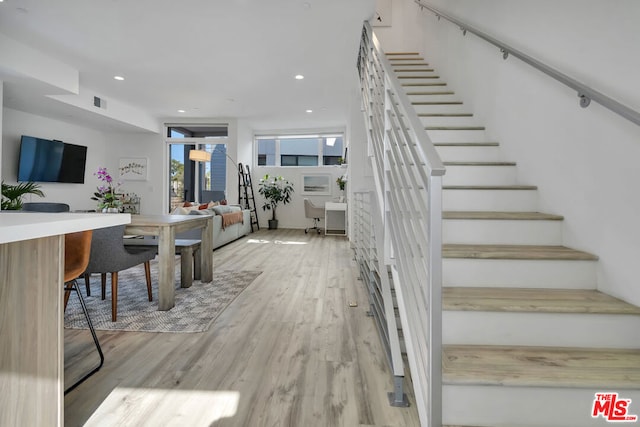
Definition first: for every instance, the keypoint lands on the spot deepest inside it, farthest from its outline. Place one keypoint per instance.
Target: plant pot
(273, 224)
(110, 210)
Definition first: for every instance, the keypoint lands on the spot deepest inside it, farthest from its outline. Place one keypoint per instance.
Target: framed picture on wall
(316, 184)
(133, 168)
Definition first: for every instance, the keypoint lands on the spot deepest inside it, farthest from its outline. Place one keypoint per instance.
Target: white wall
(149, 146)
(103, 150)
(292, 214)
(18, 123)
(584, 161)
(1, 119)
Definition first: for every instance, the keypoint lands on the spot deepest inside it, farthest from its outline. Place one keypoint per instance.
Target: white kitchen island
(31, 312)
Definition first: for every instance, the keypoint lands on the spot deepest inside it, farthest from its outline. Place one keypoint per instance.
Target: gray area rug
(196, 307)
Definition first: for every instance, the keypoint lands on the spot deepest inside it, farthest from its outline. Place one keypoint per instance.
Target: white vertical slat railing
(408, 185)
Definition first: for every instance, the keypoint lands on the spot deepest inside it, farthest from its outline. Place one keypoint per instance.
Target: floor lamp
(198, 156)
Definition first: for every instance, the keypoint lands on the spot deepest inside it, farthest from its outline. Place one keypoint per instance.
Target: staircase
(528, 340)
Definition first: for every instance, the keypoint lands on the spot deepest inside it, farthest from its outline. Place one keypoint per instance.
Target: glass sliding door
(192, 181)
(195, 181)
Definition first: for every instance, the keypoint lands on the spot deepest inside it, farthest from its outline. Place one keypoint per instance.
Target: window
(299, 150)
(266, 152)
(196, 181)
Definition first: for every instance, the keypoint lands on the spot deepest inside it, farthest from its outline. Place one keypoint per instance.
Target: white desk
(31, 312)
(335, 219)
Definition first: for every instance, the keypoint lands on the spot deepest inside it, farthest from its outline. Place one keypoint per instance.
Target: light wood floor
(289, 351)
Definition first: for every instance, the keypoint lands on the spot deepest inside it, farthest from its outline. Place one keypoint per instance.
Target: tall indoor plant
(12, 194)
(275, 190)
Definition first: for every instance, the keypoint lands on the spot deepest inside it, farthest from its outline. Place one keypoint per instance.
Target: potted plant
(107, 196)
(342, 184)
(12, 194)
(275, 190)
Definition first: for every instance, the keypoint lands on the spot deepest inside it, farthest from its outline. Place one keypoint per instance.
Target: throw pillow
(180, 211)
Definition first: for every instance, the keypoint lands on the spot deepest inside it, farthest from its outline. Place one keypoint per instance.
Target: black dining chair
(110, 255)
(45, 207)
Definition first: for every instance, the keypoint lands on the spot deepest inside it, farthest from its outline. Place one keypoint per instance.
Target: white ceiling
(212, 58)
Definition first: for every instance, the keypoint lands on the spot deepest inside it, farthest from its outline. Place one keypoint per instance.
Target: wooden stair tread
(493, 215)
(421, 84)
(489, 187)
(533, 300)
(454, 128)
(541, 366)
(419, 77)
(401, 53)
(445, 115)
(412, 70)
(466, 144)
(402, 61)
(520, 252)
(436, 103)
(443, 92)
(479, 163)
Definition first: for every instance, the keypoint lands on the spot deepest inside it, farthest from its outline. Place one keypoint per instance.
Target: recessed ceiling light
(299, 77)
(309, 111)
(181, 111)
(119, 78)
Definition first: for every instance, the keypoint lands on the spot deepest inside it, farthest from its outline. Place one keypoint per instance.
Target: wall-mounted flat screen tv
(42, 160)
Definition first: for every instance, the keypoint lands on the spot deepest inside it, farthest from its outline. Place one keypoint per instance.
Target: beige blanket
(231, 218)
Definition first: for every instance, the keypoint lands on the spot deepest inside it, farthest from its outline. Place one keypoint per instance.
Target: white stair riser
(457, 135)
(490, 200)
(533, 329)
(414, 71)
(519, 273)
(525, 406)
(502, 232)
(470, 154)
(431, 98)
(480, 175)
(414, 80)
(449, 121)
(440, 108)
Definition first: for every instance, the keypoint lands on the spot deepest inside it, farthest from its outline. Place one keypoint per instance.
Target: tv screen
(42, 160)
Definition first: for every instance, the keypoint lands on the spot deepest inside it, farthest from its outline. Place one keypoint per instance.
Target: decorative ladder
(246, 197)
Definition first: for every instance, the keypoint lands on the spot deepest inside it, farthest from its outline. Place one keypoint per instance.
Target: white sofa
(220, 236)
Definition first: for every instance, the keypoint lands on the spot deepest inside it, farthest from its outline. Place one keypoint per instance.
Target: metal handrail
(407, 207)
(585, 93)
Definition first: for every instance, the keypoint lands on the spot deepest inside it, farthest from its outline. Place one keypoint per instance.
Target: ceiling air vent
(100, 103)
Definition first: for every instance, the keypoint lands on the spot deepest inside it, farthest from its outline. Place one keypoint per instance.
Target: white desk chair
(314, 212)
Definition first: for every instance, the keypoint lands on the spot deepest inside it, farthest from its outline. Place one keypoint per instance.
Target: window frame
(277, 137)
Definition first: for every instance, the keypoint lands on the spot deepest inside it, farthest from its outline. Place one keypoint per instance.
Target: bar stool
(77, 247)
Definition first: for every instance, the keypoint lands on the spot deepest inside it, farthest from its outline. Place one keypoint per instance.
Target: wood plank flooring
(289, 351)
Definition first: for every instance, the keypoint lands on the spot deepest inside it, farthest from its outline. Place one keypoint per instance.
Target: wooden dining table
(166, 227)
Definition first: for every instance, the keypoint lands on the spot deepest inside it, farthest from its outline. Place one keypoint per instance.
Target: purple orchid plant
(107, 195)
